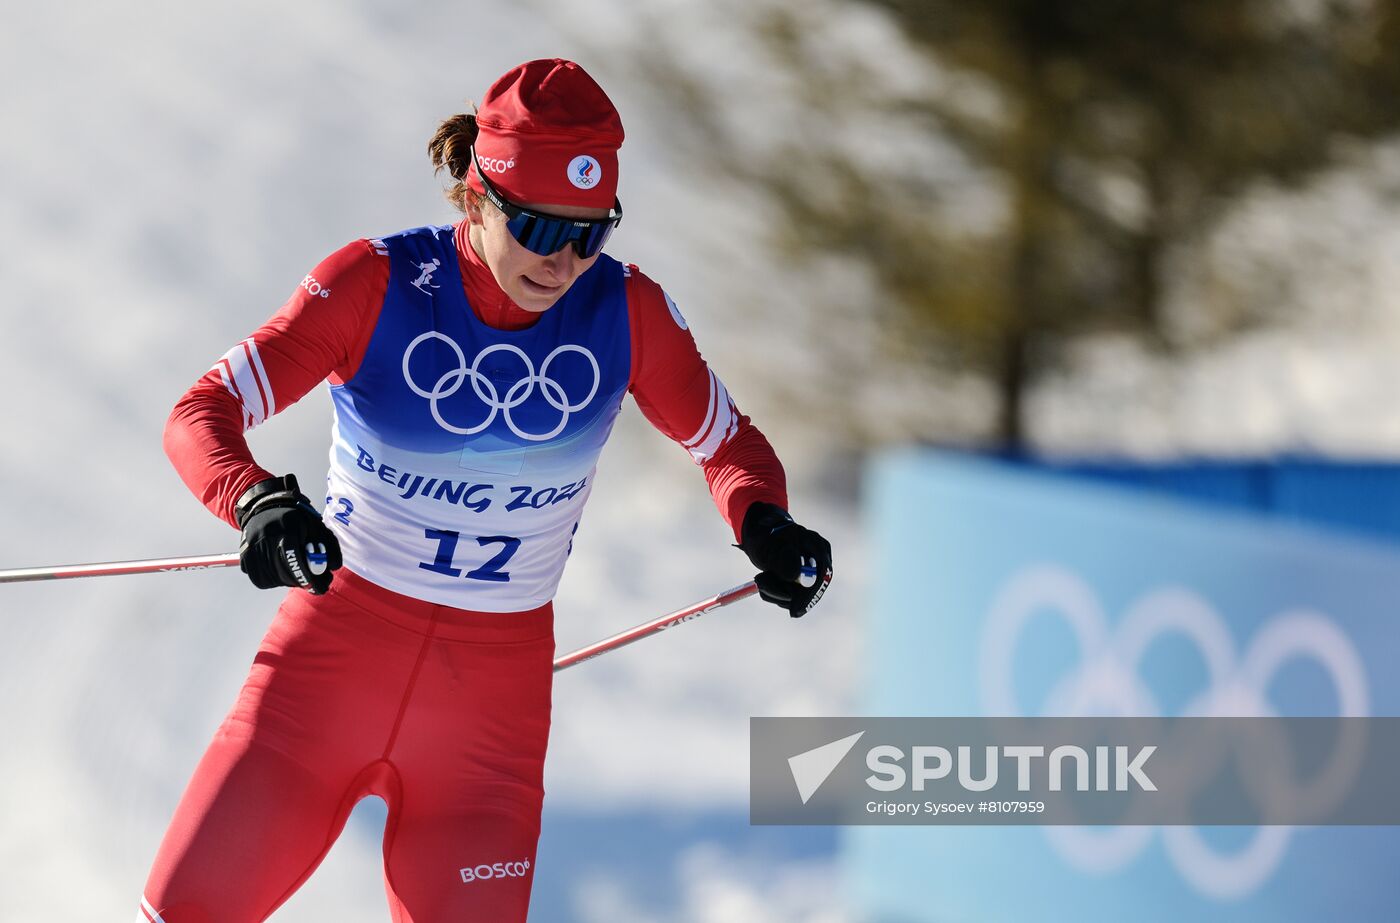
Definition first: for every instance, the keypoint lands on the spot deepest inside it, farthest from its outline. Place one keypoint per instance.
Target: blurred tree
(1113, 135)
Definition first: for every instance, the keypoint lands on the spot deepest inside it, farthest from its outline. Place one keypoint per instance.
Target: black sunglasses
(548, 234)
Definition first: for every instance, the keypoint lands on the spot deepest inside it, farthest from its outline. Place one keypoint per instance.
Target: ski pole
(208, 561)
(646, 629)
(113, 568)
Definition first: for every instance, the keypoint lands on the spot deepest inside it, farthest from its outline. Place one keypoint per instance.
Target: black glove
(285, 543)
(796, 562)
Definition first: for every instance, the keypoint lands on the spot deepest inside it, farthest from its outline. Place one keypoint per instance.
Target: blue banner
(1000, 592)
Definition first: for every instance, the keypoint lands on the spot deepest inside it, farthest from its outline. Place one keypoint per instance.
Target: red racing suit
(440, 708)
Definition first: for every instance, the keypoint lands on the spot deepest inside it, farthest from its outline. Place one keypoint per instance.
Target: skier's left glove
(285, 543)
(795, 562)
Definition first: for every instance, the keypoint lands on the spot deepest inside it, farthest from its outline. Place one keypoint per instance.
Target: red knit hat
(548, 134)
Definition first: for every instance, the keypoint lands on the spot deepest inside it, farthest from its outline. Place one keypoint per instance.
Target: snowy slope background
(169, 171)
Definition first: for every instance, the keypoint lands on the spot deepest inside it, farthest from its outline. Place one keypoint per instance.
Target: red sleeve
(323, 330)
(684, 398)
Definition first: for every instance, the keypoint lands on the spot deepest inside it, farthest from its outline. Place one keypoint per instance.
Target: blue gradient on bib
(491, 393)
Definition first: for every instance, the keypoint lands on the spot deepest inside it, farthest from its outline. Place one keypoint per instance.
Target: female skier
(476, 371)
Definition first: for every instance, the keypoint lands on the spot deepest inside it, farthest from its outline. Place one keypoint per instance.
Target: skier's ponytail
(451, 148)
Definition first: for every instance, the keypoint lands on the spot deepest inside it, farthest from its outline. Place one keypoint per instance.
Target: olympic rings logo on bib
(485, 389)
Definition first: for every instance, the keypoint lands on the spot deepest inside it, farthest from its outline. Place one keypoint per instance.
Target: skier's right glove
(285, 543)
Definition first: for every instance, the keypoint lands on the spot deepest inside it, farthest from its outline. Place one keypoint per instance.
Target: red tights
(441, 712)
